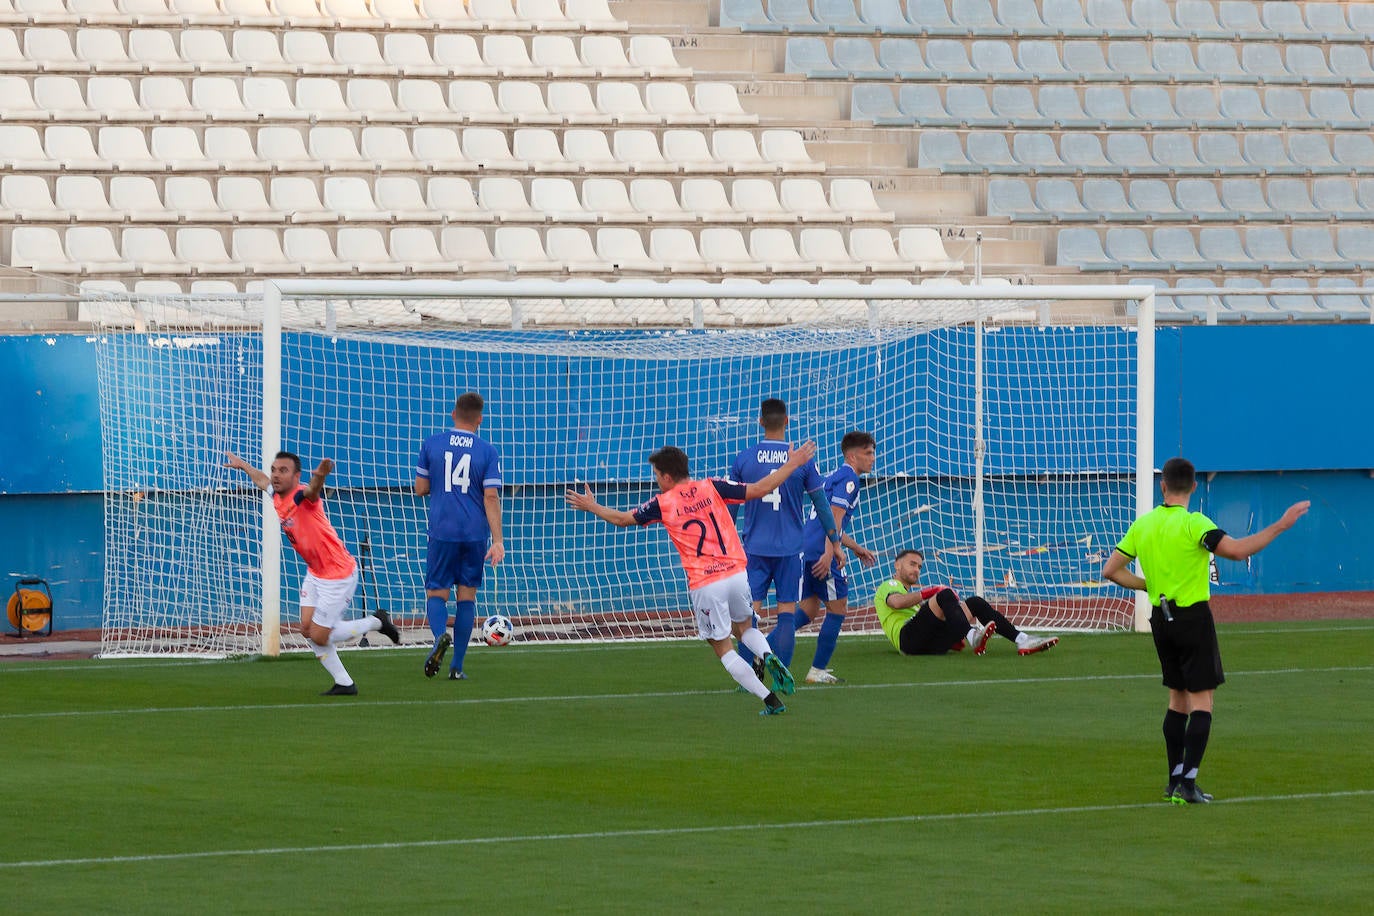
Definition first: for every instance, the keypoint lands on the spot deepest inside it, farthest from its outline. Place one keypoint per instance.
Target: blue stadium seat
(1175, 153)
(947, 57)
(943, 150)
(1314, 247)
(1353, 152)
(1300, 303)
(1240, 18)
(977, 18)
(1269, 248)
(856, 57)
(875, 103)
(1011, 197)
(1309, 62)
(1085, 59)
(1337, 197)
(1106, 18)
(1176, 247)
(1035, 151)
(1265, 151)
(1220, 153)
(1058, 197)
(839, 16)
(989, 153)
(793, 16)
(1083, 152)
(1284, 19)
(1238, 306)
(1129, 152)
(1199, 19)
(1175, 60)
(1286, 105)
(1244, 198)
(1220, 247)
(1308, 153)
(1356, 245)
(886, 16)
(1040, 59)
(1364, 192)
(994, 59)
(1361, 20)
(902, 57)
(1265, 64)
(1062, 106)
(1242, 107)
(1152, 107)
(932, 18)
(922, 102)
(1017, 106)
(747, 15)
(1220, 62)
(811, 58)
(1065, 18)
(1130, 61)
(1156, 19)
(1107, 106)
(1331, 107)
(1152, 199)
(968, 106)
(1082, 248)
(1350, 63)
(1197, 107)
(1105, 198)
(1343, 306)
(1204, 305)
(1328, 21)
(1131, 249)
(1022, 18)
(1197, 197)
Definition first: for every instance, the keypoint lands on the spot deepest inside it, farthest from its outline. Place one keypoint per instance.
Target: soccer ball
(497, 630)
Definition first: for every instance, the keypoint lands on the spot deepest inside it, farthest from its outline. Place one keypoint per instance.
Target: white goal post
(1014, 428)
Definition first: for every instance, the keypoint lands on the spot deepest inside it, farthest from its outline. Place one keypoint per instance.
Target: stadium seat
(244, 200)
(1342, 306)
(416, 250)
(1108, 106)
(686, 151)
(604, 57)
(1062, 106)
(902, 57)
(1130, 62)
(1284, 20)
(1353, 152)
(1179, 250)
(269, 99)
(409, 54)
(1264, 63)
(310, 247)
(454, 199)
(400, 197)
(1036, 153)
(623, 249)
(17, 102)
(825, 249)
(1221, 247)
(885, 17)
(620, 103)
(637, 151)
(1040, 60)
(337, 151)
(943, 150)
(1130, 154)
(853, 198)
(1082, 248)
(93, 248)
(134, 197)
(989, 153)
(61, 96)
(504, 200)
(1085, 58)
(655, 200)
(593, 15)
(486, 148)
(259, 250)
(460, 55)
(1125, 248)
(707, 201)
(572, 103)
(876, 104)
(1022, 18)
(1337, 198)
(725, 251)
(226, 148)
(39, 249)
(1105, 199)
(77, 197)
(524, 102)
(922, 246)
(968, 107)
(298, 196)
(1350, 63)
(1156, 19)
(1016, 107)
(351, 198)
(254, 49)
(609, 200)
(1197, 198)
(1071, 19)
(521, 249)
(150, 251)
(1315, 249)
(1290, 198)
(1152, 107)
(1306, 153)
(1241, 107)
(191, 198)
(544, 15)
(805, 199)
(948, 60)
(557, 199)
(671, 104)
(1356, 245)
(364, 251)
(1057, 199)
(558, 56)
(102, 49)
(1268, 248)
(1240, 19)
(1199, 19)
(26, 198)
(776, 250)
(1331, 108)
(757, 199)
(1083, 153)
(856, 57)
(1197, 108)
(810, 57)
(1220, 154)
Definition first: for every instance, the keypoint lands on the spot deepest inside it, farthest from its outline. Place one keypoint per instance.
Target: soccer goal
(1014, 430)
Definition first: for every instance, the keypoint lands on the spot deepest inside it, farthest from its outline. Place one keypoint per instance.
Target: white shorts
(718, 603)
(329, 597)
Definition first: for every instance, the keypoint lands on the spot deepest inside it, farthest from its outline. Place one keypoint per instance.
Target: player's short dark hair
(469, 406)
(910, 550)
(773, 414)
(672, 461)
(291, 457)
(857, 439)
(1179, 475)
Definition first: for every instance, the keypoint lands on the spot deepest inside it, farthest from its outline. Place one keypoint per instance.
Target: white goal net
(1012, 425)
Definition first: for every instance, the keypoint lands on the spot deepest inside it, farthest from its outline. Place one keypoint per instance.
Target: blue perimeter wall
(1270, 415)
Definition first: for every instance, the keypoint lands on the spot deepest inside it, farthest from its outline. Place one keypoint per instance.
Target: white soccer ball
(497, 630)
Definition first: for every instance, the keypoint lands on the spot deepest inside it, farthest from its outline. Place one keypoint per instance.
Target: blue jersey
(459, 466)
(841, 492)
(772, 526)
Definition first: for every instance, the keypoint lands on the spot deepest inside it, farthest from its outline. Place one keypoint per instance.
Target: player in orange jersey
(331, 574)
(699, 525)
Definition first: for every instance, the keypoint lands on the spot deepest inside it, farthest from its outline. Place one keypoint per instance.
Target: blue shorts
(450, 563)
(784, 573)
(831, 589)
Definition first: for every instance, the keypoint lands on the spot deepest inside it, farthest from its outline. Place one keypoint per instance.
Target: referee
(1171, 545)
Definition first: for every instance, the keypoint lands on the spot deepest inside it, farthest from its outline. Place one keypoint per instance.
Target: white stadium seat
(522, 250)
(776, 250)
(244, 200)
(351, 198)
(557, 200)
(150, 251)
(610, 200)
(298, 197)
(82, 197)
(758, 199)
(454, 199)
(26, 198)
(623, 249)
(21, 149)
(310, 247)
(571, 247)
(826, 249)
(417, 250)
(654, 55)
(676, 250)
(468, 247)
(365, 252)
(504, 200)
(192, 199)
(875, 250)
(93, 248)
(656, 201)
(259, 250)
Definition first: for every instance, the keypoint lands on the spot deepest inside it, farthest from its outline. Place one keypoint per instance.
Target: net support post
(271, 444)
(1144, 430)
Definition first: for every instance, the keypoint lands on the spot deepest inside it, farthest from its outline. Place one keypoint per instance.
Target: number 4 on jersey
(456, 476)
(774, 499)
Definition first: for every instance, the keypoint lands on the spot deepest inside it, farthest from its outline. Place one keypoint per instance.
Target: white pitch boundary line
(657, 831)
(647, 695)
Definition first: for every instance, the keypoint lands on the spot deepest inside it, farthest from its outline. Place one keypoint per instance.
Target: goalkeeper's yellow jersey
(892, 619)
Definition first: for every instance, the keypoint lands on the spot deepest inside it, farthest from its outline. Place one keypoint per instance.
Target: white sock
(743, 673)
(756, 642)
(329, 657)
(352, 629)
(1023, 637)
(974, 634)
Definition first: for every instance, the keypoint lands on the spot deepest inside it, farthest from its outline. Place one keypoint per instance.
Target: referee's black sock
(1195, 743)
(1175, 728)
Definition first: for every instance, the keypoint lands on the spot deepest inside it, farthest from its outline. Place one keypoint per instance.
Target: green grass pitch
(633, 779)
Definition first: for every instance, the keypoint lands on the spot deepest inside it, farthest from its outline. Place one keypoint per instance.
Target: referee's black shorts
(1189, 656)
(926, 634)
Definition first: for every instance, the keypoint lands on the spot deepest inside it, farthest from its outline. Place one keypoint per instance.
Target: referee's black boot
(1186, 793)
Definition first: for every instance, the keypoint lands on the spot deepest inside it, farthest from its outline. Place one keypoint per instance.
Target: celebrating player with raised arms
(460, 472)
(331, 574)
(697, 516)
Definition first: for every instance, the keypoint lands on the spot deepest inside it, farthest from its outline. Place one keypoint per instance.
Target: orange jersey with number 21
(307, 528)
(700, 527)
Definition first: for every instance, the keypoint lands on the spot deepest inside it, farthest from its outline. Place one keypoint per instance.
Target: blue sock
(783, 639)
(830, 635)
(436, 613)
(463, 620)
(743, 650)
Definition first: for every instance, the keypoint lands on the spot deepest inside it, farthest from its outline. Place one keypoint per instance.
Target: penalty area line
(657, 831)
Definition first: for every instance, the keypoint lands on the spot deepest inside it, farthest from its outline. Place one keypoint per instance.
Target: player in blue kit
(771, 528)
(460, 472)
(842, 492)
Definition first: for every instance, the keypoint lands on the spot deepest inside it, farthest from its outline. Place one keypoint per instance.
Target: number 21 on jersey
(457, 476)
